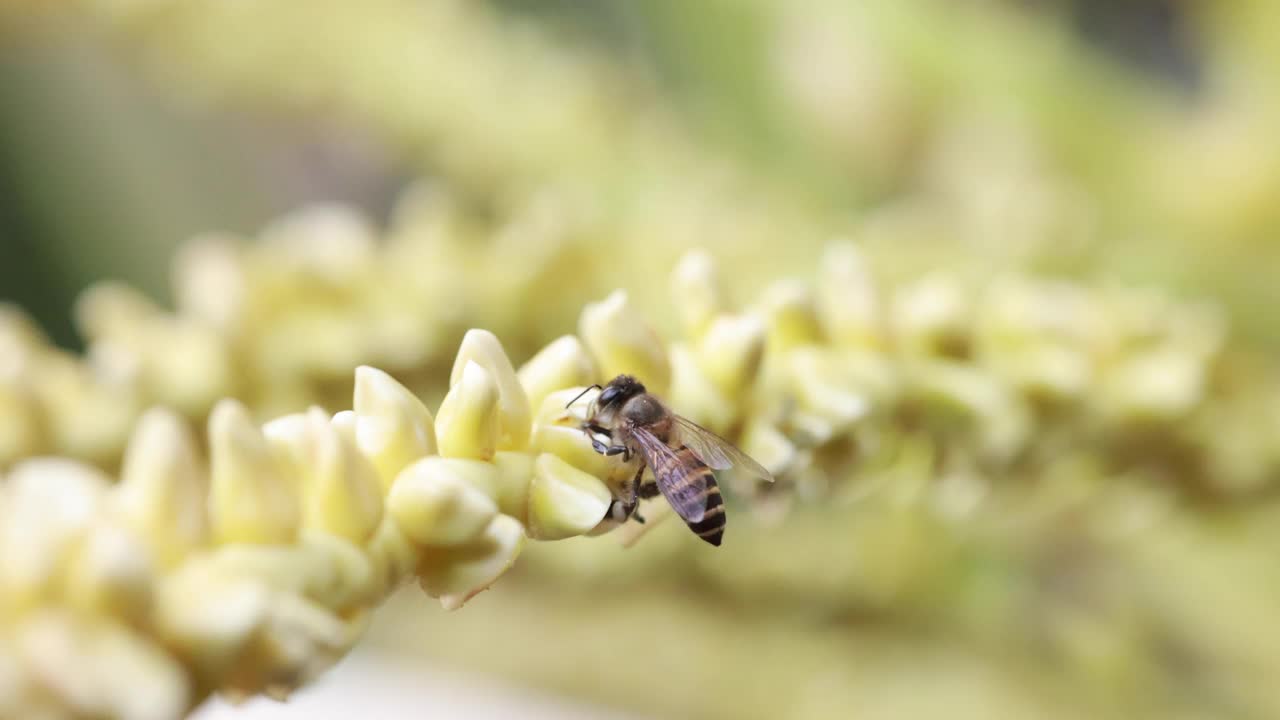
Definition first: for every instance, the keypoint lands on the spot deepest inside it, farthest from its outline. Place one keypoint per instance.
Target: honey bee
(681, 454)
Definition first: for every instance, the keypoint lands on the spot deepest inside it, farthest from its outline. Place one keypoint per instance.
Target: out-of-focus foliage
(1025, 413)
(991, 120)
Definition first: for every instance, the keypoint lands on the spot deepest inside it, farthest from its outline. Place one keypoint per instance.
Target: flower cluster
(1046, 471)
(278, 323)
(52, 401)
(1004, 377)
(254, 571)
(304, 523)
(1036, 468)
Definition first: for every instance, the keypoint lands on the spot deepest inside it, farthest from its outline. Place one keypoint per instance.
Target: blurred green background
(106, 169)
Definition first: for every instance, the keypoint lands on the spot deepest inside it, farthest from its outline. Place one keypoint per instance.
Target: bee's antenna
(584, 392)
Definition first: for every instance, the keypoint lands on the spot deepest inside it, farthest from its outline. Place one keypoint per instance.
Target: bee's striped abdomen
(691, 489)
(711, 526)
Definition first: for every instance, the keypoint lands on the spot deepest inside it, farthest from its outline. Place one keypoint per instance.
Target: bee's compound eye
(609, 395)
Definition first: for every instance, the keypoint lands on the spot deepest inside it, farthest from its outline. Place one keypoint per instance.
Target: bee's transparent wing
(716, 452)
(688, 499)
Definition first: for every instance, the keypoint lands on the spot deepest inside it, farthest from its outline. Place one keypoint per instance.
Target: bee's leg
(624, 509)
(609, 449)
(648, 491)
(592, 430)
(634, 501)
(618, 511)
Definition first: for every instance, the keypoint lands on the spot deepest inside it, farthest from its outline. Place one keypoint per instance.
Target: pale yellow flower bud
(183, 362)
(208, 619)
(696, 396)
(392, 554)
(113, 310)
(110, 574)
(558, 431)
(209, 281)
(698, 296)
(483, 348)
(455, 575)
(293, 568)
(242, 634)
(791, 314)
(89, 416)
(848, 299)
(297, 639)
(290, 439)
(310, 341)
(21, 340)
(354, 577)
(344, 421)
(514, 476)
(250, 498)
(331, 244)
(622, 342)
(393, 427)
(1050, 371)
(50, 504)
(438, 501)
(98, 668)
(556, 410)
(467, 424)
(823, 385)
(932, 317)
(563, 363)
(730, 352)
(18, 697)
(563, 500)
(1160, 385)
(574, 447)
(768, 446)
(342, 494)
(21, 432)
(186, 365)
(953, 390)
(163, 488)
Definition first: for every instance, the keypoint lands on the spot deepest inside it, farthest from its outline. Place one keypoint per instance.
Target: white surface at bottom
(369, 686)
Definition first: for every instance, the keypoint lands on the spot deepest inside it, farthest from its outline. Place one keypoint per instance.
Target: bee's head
(618, 391)
(613, 396)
